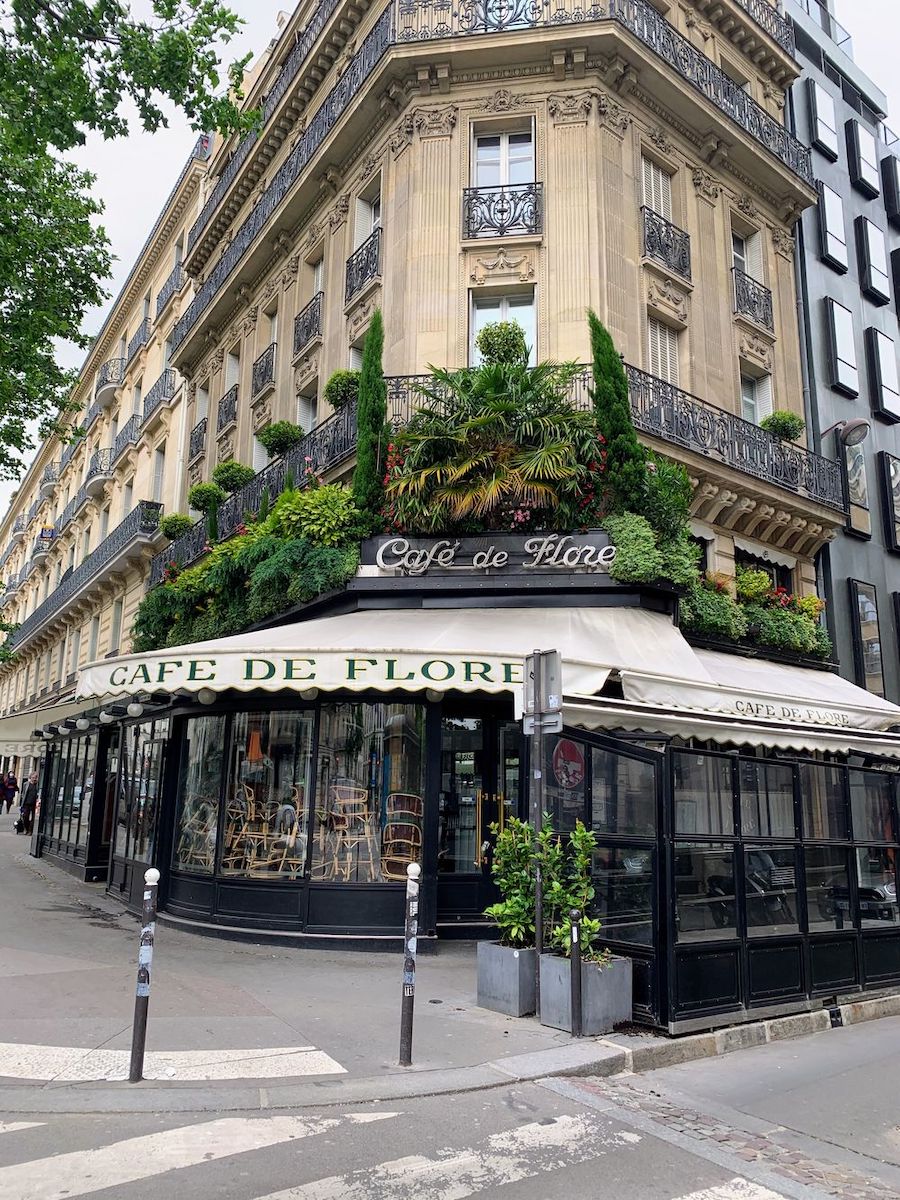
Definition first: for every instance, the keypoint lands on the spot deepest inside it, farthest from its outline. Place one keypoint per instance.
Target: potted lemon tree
(506, 967)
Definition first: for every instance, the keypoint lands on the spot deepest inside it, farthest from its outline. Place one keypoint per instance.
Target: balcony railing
(197, 443)
(263, 372)
(127, 436)
(41, 548)
(64, 518)
(326, 446)
(169, 288)
(92, 414)
(139, 526)
(110, 374)
(69, 451)
(227, 414)
(771, 20)
(308, 323)
(515, 209)
(363, 265)
(100, 464)
(163, 389)
(49, 476)
(753, 299)
(666, 243)
(140, 338)
(18, 528)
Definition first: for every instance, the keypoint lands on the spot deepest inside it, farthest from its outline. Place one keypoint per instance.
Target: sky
(136, 174)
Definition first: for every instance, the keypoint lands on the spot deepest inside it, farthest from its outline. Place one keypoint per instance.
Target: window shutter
(657, 188)
(763, 397)
(754, 257)
(663, 347)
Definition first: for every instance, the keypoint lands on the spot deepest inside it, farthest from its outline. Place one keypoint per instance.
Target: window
(232, 368)
(127, 497)
(746, 254)
(780, 573)
(318, 276)
(194, 844)
(272, 326)
(368, 216)
(703, 790)
(890, 177)
(844, 371)
(104, 523)
(115, 632)
(883, 377)
(831, 228)
(770, 890)
(662, 351)
(866, 637)
(146, 307)
(863, 155)
(93, 638)
(824, 802)
(137, 401)
(519, 308)
(656, 186)
(260, 457)
(167, 352)
(307, 411)
(76, 649)
(871, 806)
(202, 401)
(705, 908)
(86, 542)
(859, 520)
(355, 358)
(756, 398)
(822, 121)
(827, 888)
(623, 795)
(873, 263)
(503, 159)
(114, 428)
(159, 472)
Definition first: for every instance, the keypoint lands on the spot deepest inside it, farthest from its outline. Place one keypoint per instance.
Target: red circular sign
(568, 763)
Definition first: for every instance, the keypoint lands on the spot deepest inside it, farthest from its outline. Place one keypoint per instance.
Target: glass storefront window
(565, 782)
(828, 888)
(623, 795)
(370, 792)
(824, 802)
(870, 805)
(70, 790)
(140, 784)
(703, 794)
(461, 802)
(267, 794)
(623, 899)
(770, 890)
(196, 825)
(767, 799)
(876, 873)
(704, 892)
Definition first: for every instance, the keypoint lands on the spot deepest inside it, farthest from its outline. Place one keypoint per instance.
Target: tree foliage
(371, 423)
(626, 459)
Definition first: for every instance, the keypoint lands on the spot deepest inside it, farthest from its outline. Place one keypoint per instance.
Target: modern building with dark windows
(848, 252)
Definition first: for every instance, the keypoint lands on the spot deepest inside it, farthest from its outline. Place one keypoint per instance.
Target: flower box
(505, 979)
(606, 994)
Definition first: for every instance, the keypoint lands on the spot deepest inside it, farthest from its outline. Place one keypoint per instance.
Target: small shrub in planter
(175, 525)
(502, 342)
(506, 969)
(709, 609)
(342, 388)
(279, 437)
(232, 476)
(785, 425)
(206, 497)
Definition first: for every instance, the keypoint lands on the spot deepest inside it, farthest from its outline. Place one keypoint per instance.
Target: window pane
(824, 804)
(828, 888)
(834, 238)
(844, 368)
(704, 892)
(870, 806)
(461, 802)
(194, 846)
(146, 786)
(770, 889)
(623, 794)
(767, 799)
(623, 899)
(267, 795)
(884, 375)
(870, 674)
(703, 794)
(876, 873)
(565, 781)
(824, 121)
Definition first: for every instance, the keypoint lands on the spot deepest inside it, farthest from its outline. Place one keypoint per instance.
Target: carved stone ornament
(503, 265)
(339, 213)
(262, 412)
(783, 243)
(402, 136)
(612, 114)
(270, 287)
(774, 93)
(747, 207)
(307, 368)
(225, 448)
(693, 21)
(755, 349)
(570, 108)
(658, 137)
(666, 298)
(250, 320)
(360, 316)
(371, 163)
(313, 234)
(435, 122)
(191, 393)
(707, 185)
(215, 363)
(195, 472)
(283, 242)
(503, 100)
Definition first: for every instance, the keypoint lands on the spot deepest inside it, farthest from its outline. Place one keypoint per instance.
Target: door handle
(501, 812)
(479, 802)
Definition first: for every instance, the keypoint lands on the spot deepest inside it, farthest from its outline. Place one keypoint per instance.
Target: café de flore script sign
(499, 554)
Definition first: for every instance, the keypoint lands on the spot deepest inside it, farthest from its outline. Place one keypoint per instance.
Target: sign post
(410, 935)
(145, 963)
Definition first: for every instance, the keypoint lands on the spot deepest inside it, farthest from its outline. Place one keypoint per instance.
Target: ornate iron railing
(41, 547)
(92, 414)
(33, 511)
(169, 288)
(49, 475)
(127, 436)
(503, 211)
(363, 265)
(197, 441)
(69, 451)
(141, 523)
(81, 498)
(64, 518)
(227, 412)
(111, 374)
(308, 323)
(100, 464)
(140, 337)
(342, 95)
(666, 243)
(263, 372)
(163, 389)
(323, 448)
(753, 299)
(772, 21)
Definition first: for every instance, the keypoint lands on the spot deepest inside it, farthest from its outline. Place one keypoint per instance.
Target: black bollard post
(145, 962)
(575, 967)
(413, 871)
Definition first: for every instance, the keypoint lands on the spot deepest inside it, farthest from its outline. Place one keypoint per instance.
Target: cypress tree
(371, 421)
(626, 470)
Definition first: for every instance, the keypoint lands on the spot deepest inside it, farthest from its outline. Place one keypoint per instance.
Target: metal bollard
(413, 871)
(145, 961)
(575, 971)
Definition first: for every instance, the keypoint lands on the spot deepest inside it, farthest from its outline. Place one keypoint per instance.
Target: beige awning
(16, 729)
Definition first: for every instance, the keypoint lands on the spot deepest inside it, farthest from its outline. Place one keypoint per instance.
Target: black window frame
(825, 147)
(859, 663)
(890, 183)
(857, 163)
(869, 273)
(889, 507)
(845, 386)
(826, 235)
(875, 338)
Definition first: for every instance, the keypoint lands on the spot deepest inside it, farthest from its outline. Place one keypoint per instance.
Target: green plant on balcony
(232, 476)
(342, 389)
(708, 609)
(206, 497)
(175, 525)
(502, 342)
(785, 425)
(327, 515)
(278, 437)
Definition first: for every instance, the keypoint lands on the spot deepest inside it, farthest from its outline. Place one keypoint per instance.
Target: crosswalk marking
(64, 1176)
(734, 1189)
(506, 1158)
(15, 1126)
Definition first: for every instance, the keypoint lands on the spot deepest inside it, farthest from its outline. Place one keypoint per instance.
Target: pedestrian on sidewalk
(5, 794)
(29, 801)
(10, 786)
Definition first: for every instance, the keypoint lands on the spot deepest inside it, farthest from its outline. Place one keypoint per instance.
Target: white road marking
(63, 1176)
(505, 1158)
(72, 1064)
(735, 1189)
(15, 1126)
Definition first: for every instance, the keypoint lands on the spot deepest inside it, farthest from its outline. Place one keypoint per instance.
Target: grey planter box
(505, 979)
(605, 994)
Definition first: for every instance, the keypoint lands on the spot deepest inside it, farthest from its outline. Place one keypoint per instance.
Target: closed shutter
(754, 257)
(663, 351)
(763, 397)
(260, 455)
(657, 185)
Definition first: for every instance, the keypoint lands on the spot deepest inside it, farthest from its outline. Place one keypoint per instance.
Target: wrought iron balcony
(33, 511)
(18, 530)
(64, 519)
(363, 265)
(169, 288)
(772, 21)
(197, 443)
(42, 547)
(92, 414)
(81, 498)
(665, 243)
(139, 339)
(109, 377)
(49, 476)
(69, 451)
(138, 529)
(308, 323)
(127, 436)
(491, 212)
(753, 299)
(263, 372)
(99, 471)
(162, 390)
(228, 407)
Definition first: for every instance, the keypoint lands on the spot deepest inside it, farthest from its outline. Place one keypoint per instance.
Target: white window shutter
(663, 347)
(657, 188)
(755, 257)
(764, 403)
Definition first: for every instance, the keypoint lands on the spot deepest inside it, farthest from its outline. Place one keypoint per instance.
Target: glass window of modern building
(832, 229)
(842, 334)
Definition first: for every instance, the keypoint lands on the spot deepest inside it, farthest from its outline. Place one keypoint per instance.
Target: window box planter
(605, 994)
(505, 979)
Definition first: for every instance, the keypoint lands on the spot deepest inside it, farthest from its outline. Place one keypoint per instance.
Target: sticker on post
(143, 989)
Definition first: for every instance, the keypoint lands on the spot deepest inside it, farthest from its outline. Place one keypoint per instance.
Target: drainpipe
(180, 462)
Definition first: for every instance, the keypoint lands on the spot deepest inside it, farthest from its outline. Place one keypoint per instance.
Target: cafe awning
(468, 650)
(16, 730)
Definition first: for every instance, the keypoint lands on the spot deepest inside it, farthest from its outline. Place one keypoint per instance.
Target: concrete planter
(505, 979)
(605, 994)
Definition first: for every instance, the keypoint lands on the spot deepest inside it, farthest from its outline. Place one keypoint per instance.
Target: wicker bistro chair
(353, 828)
(400, 846)
(403, 806)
